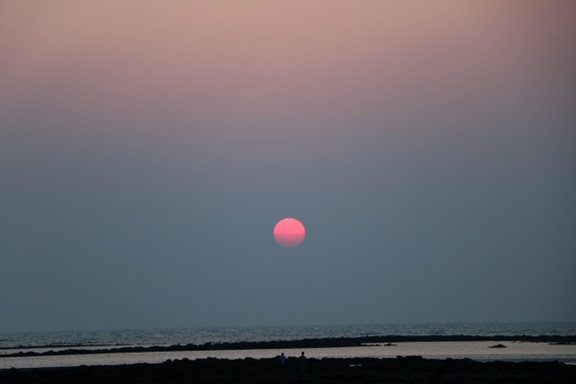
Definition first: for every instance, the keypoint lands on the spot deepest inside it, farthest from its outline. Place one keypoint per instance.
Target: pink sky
(262, 62)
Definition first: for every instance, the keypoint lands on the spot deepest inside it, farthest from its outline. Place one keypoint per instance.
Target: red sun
(289, 232)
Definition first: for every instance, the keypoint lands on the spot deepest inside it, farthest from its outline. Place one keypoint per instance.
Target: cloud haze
(147, 150)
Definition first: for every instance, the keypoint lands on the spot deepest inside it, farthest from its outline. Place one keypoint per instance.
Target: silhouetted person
(282, 359)
(302, 364)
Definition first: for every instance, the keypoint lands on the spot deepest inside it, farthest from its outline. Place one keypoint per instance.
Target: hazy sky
(147, 148)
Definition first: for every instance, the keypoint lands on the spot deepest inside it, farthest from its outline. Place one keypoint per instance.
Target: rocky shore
(360, 370)
(282, 344)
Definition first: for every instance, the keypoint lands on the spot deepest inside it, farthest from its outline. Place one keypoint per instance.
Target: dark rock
(298, 344)
(413, 369)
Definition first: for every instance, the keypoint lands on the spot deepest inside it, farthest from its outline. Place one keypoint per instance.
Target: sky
(147, 149)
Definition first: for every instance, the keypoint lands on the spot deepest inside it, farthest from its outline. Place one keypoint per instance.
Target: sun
(289, 232)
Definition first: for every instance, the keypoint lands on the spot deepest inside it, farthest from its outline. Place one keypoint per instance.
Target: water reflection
(477, 350)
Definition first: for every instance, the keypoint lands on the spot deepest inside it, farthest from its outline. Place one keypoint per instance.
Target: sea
(478, 350)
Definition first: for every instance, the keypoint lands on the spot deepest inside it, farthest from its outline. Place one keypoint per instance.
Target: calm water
(220, 335)
(474, 350)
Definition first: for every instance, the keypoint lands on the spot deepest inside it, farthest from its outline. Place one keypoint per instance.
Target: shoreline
(484, 351)
(338, 342)
(398, 370)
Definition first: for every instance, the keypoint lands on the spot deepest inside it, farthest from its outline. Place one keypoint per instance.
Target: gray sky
(147, 150)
